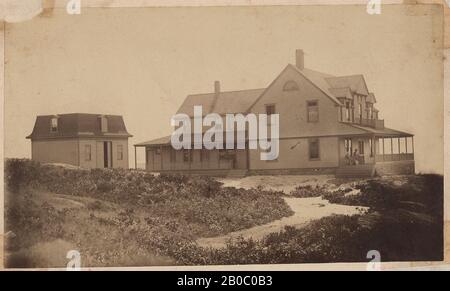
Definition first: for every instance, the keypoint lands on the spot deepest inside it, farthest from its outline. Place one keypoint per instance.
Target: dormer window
(347, 111)
(290, 86)
(54, 124)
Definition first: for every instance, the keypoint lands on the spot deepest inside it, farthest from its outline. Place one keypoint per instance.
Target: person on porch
(355, 157)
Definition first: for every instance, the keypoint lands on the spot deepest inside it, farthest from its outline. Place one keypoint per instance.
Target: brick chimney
(300, 59)
(217, 87)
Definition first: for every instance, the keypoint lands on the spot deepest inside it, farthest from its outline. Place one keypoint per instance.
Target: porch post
(406, 145)
(383, 149)
(398, 144)
(392, 150)
(339, 151)
(135, 157)
(412, 144)
(373, 150)
(161, 156)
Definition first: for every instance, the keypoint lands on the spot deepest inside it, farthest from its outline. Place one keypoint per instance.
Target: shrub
(419, 193)
(337, 238)
(308, 191)
(161, 214)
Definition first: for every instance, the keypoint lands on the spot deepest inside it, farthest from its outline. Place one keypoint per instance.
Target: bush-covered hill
(143, 212)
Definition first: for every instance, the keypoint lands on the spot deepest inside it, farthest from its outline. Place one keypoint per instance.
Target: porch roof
(384, 132)
(155, 142)
(343, 129)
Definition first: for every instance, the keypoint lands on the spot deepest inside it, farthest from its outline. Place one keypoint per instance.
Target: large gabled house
(80, 139)
(328, 124)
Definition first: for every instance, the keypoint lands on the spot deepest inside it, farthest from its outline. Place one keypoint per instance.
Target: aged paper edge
(50, 4)
(2, 102)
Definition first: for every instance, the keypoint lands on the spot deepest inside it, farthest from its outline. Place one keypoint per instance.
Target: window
(187, 156)
(313, 111)
(371, 147)
(347, 111)
(314, 151)
(120, 152)
(360, 111)
(87, 152)
(290, 86)
(54, 124)
(361, 147)
(270, 109)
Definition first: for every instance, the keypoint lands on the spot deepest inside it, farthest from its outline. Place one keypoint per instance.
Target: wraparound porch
(376, 154)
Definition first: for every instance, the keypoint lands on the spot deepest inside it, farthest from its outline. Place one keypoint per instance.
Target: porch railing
(375, 123)
(394, 157)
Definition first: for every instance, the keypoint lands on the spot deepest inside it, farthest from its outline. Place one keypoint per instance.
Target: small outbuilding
(80, 139)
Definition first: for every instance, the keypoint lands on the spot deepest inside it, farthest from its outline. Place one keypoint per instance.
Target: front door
(107, 154)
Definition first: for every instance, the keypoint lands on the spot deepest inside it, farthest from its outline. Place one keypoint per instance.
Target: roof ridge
(232, 91)
(346, 76)
(315, 71)
(77, 113)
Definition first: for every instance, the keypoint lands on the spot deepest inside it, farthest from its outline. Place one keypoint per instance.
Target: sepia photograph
(223, 135)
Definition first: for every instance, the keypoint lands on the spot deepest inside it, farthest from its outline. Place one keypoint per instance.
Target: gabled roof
(318, 79)
(227, 102)
(341, 92)
(371, 98)
(243, 100)
(78, 125)
(356, 83)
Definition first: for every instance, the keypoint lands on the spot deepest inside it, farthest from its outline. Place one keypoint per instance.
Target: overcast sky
(141, 63)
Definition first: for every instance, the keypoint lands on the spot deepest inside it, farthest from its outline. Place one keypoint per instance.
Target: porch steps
(356, 171)
(237, 173)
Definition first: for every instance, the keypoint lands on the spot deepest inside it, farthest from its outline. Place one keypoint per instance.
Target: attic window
(290, 86)
(54, 124)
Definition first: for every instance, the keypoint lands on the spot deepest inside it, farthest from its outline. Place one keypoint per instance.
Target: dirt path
(305, 210)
